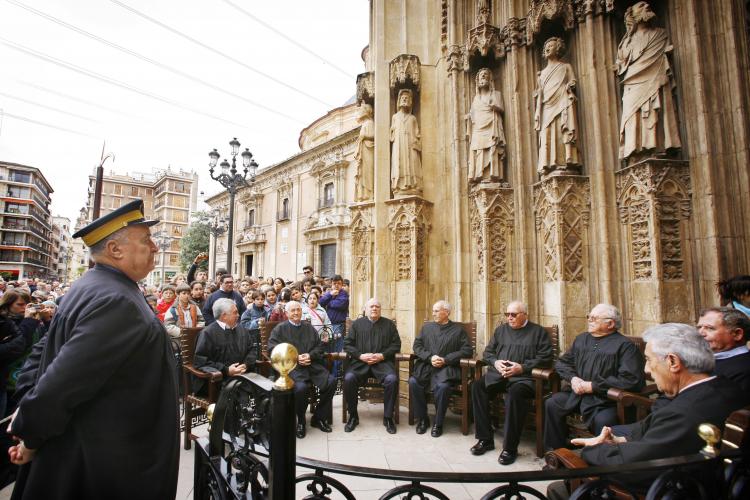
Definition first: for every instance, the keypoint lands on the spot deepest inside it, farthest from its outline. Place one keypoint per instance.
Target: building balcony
(282, 215)
(325, 203)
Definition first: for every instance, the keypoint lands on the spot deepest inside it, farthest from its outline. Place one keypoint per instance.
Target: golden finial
(711, 435)
(210, 412)
(284, 360)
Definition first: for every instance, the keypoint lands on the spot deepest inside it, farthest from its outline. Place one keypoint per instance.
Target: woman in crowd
(271, 299)
(197, 294)
(19, 320)
(279, 311)
(278, 285)
(167, 300)
(317, 316)
(735, 292)
(307, 285)
(183, 313)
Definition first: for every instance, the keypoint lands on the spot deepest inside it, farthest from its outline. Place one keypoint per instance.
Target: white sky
(144, 132)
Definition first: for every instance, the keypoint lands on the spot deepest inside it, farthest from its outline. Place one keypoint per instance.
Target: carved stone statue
(406, 151)
(649, 117)
(364, 156)
(485, 129)
(556, 114)
(483, 12)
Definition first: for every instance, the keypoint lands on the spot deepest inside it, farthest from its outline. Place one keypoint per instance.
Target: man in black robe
(102, 419)
(225, 345)
(680, 362)
(371, 345)
(439, 348)
(516, 348)
(598, 360)
(726, 330)
(310, 368)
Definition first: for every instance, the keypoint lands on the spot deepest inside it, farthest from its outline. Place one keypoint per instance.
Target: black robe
(103, 413)
(218, 348)
(306, 340)
(448, 341)
(380, 337)
(672, 430)
(606, 362)
(528, 345)
(736, 368)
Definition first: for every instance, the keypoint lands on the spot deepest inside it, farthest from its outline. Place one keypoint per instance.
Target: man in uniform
(372, 344)
(439, 348)
(309, 370)
(516, 348)
(102, 420)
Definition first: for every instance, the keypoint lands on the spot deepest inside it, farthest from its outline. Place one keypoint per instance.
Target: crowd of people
(72, 359)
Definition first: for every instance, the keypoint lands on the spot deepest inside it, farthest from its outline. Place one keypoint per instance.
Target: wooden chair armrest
(212, 376)
(545, 373)
(338, 356)
(563, 458)
(469, 362)
(400, 356)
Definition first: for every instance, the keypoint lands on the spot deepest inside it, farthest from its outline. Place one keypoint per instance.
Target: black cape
(217, 348)
(306, 340)
(528, 345)
(103, 413)
(606, 362)
(379, 337)
(448, 341)
(736, 368)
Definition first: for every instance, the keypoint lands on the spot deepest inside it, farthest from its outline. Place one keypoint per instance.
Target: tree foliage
(195, 240)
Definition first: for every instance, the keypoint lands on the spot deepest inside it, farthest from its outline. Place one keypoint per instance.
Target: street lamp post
(232, 181)
(216, 226)
(163, 242)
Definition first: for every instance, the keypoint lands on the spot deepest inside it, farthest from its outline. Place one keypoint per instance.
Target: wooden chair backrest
(265, 333)
(188, 339)
(554, 338)
(470, 327)
(737, 430)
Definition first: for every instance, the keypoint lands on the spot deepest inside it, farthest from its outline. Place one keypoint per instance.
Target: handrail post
(283, 452)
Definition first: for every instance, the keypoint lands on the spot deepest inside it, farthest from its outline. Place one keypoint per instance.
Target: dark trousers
(325, 400)
(418, 395)
(517, 397)
(556, 428)
(390, 392)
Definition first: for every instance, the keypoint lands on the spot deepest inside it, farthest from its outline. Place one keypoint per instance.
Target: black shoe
(320, 424)
(507, 457)
(352, 423)
(301, 431)
(390, 425)
(437, 431)
(422, 425)
(482, 447)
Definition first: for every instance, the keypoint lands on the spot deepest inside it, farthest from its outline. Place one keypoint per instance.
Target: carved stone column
(492, 218)
(409, 226)
(562, 210)
(363, 240)
(653, 198)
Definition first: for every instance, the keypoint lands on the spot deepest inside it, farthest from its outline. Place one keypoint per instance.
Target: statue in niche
(483, 11)
(364, 155)
(485, 128)
(649, 116)
(555, 117)
(406, 151)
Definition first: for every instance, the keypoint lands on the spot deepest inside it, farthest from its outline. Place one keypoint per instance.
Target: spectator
(256, 311)
(316, 315)
(735, 292)
(307, 285)
(183, 313)
(278, 285)
(278, 313)
(168, 296)
(226, 291)
(194, 274)
(336, 304)
(197, 294)
(726, 330)
(307, 271)
(271, 298)
(244, 287)
(15, 310)
(153, 301)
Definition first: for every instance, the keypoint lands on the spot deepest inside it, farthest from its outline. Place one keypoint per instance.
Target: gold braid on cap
(110, 227)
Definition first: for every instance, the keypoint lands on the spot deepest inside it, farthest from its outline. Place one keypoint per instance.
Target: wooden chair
(193, 404)
(546, 381)
(460, 396)
(371, 388)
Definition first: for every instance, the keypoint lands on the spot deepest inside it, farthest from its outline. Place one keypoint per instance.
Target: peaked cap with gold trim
(127, 215)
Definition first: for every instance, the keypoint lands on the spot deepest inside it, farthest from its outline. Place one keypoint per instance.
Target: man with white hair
(225, 345)
(681, 363)
(598, 360)
(372, 344)
(439, 348)
(516, 348)
(309, 370)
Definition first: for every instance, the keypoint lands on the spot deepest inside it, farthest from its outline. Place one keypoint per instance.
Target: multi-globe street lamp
(233, 181)
(216, 226)
(163, 242)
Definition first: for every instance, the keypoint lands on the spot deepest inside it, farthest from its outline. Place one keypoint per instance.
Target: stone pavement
(370, 445)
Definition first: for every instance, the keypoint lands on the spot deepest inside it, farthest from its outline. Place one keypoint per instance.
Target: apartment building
(62, 248)
(25, 239)
(171, 196)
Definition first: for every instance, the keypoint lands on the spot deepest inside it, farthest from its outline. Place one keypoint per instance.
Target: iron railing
(250, 453)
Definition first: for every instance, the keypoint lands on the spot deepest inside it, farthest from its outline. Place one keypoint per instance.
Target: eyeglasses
(513, 314)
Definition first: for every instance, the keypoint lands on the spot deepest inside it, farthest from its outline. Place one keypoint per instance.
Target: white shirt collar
(742, 349)
(223, 325)
(696, 383)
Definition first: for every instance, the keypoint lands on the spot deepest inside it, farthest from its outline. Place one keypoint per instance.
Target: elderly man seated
(309, 370)
(439, 348)
(598, 360)
(681, 363)
(726, 330)
(372, 344)
(225, 345)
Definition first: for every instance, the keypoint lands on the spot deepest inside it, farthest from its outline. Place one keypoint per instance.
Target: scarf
(180, 316)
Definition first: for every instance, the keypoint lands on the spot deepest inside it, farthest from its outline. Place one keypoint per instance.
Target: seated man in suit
(726, 330)
(515, 349)
(439, 348)
(598, 360)
(372, 344)
(681, 363)
(310, 368)
(225, 345)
